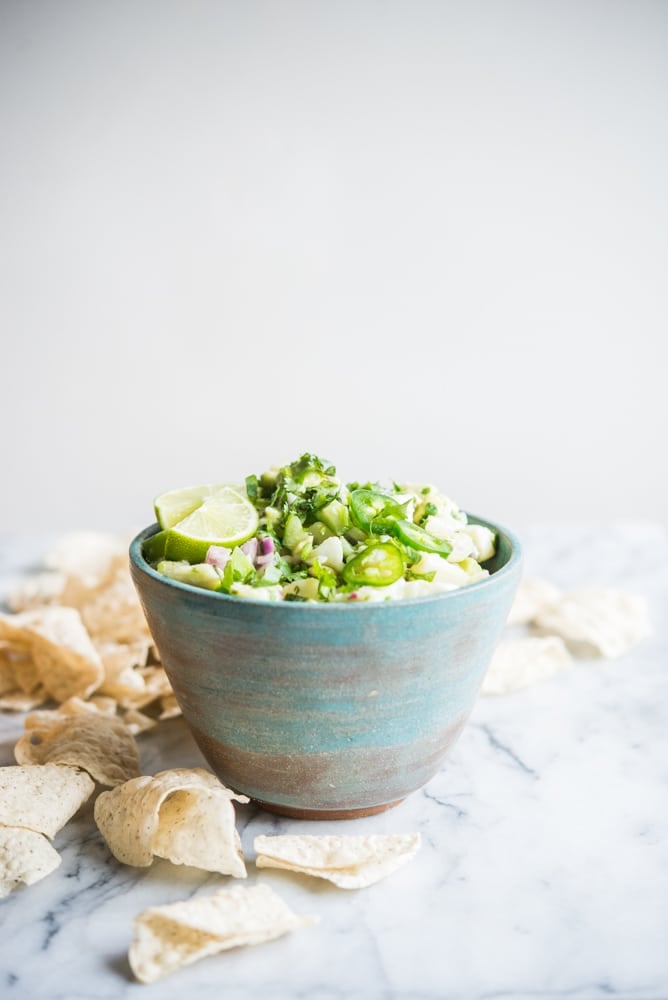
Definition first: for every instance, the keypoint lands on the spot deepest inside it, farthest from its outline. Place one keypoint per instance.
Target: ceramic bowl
(327, 710)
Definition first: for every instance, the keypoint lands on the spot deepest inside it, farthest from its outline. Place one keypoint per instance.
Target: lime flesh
(226, 519)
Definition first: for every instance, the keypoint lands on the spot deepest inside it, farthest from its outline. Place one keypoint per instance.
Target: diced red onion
(249, 549)
(266, 556)
(217, 555)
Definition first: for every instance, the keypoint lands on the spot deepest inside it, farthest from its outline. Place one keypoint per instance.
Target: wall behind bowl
(426, 240)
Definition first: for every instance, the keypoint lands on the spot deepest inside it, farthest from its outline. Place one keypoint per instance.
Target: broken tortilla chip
(137, 722)
(42, 798)
(532, 595)
(87, 555)
(519, 663)
(350, 862)
(18, 701)
(37, 590)
(97, 743)
(596, 621)
(111, 611)
(169, 707)
(25, 856)
(184, 815)
(56, 639)
(169, 937)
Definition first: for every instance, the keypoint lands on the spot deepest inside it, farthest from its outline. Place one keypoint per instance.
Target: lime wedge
(226, 519)
(172, 507)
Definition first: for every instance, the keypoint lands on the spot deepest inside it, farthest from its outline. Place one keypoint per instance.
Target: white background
(426, 240)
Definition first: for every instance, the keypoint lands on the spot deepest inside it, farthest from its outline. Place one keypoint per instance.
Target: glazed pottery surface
(327, 710)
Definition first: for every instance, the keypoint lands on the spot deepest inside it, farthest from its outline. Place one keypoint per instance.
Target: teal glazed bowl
(327, 710)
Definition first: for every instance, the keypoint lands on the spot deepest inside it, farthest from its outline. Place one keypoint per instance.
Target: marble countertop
(543, 870)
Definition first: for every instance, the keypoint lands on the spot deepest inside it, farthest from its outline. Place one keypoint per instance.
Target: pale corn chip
(112, 611)
(350, 862)
(37, 590)
(97, 743)
(120, 660)
(42, 798)
(137, 722)
(86, 555)
(596, 621)
(7, 678)
(104, 704)
(18, 701)
(169, 707)
(184, 815)
(73, 706)
(155, 685)
(27, 673)
(178, 934)
(532, 596)
(17, 669)
(25, 856)
(67, 662)
(518, 663)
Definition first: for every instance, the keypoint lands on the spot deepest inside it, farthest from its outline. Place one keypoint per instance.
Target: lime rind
(226, 519)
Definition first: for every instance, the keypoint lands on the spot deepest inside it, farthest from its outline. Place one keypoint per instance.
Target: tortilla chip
(42, 799)
(183, 815)
(155, 685)
(96, 743)
(533, 595)
(518, 663)
(168, 937)
(86, 555)
(17, 669)
(120, 661)
(112, 611)
(351, 862)
(36, 591)
(7, 678)
(73, 706)
(169, 707)
(137, 722)
(596, 621)
(25, 856)
(18, 701)
(66, 660)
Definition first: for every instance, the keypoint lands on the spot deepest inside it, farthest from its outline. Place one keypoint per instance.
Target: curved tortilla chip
(596, 621)
(168, 937)
(87, 555)
(113, 612)
(183, 815)
(36, 591)
(518, 663)
(61, 648)
(97, 743)
(25, 856)
(42, 798)
(351, 862)
(532, 596)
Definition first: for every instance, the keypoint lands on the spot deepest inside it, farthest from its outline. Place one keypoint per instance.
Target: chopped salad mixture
(310, 537)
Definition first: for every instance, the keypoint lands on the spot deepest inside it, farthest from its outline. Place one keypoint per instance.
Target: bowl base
(295, 813)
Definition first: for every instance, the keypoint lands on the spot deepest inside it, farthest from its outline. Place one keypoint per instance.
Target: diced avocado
(320, 532)
(335, 516)
(294, 532)
(307, 589)
(200, 575)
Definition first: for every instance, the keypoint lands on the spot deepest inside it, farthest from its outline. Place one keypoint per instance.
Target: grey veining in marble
(543, 871)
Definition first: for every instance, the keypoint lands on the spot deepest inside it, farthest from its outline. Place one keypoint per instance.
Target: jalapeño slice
(368, 505)
(378, 565)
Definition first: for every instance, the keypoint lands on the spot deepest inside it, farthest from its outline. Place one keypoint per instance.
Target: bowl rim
(516, 555)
